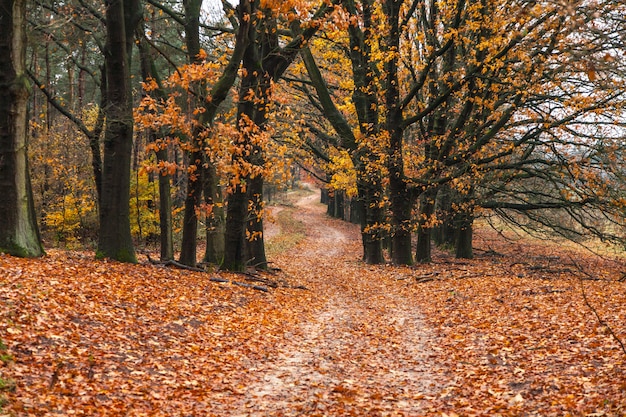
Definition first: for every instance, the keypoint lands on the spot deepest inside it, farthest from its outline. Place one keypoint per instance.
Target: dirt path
(361, 348)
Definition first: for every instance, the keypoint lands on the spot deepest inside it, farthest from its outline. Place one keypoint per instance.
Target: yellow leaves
(343, 173)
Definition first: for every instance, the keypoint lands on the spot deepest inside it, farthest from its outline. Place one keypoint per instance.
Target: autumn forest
(312, 207)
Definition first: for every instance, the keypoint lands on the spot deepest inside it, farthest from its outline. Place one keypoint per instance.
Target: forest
(436, 188)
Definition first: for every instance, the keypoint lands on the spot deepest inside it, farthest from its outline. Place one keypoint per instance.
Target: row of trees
(426, 113)
(458, 108)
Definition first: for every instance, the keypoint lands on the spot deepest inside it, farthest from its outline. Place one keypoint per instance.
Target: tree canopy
(418, 117)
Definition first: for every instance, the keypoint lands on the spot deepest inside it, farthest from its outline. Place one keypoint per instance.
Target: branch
(57, 105)
(595, 312)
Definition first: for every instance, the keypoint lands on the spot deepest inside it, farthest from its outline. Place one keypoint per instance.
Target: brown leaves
(521, 339)
(499, 335)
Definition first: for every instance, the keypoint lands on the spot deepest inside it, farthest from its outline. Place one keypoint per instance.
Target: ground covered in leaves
(525, 329)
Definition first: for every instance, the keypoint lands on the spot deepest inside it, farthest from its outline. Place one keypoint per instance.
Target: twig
(182, 266)
(595, 312)
(174, 264)
(241, 284)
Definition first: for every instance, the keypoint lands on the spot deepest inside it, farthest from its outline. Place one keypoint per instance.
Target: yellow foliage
(343, 173)
(144, 213)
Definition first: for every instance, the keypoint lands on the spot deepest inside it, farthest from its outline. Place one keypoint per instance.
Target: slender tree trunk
(464, 234)
(255, 241)
(189, 242)
(196, 156)
(464, 220)
(94, 137)
(443, 234)
(215, 227)
(234, 259)
(370, 194)
(115, 239)
(166, 238)
(19, 234)
(237, 212)
(427, 209)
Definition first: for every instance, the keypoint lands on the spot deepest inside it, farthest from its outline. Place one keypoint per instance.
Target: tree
(19, 234)
(115, 240)
(356, 136)
(264, 62)
(149, 73)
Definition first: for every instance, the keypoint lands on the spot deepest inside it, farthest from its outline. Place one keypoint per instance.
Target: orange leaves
(504, 334)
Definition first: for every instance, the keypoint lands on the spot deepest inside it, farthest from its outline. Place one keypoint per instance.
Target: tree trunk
(196, 156)
(189, 243)
(444, 233)
(464, 234)
(235, 227)
(427, 208)
(166, 238)
(464, 231)
(255, 242)
(215, 223)
(19, 234)
(115, 240)
(401, 203)
(235, 253)
(369, 196)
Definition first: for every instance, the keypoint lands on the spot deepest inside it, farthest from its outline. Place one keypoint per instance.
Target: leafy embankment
(509, 333)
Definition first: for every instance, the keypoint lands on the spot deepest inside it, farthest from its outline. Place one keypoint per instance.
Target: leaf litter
(508, 333)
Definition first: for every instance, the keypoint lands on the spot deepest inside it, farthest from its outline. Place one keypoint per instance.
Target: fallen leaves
(499, 335)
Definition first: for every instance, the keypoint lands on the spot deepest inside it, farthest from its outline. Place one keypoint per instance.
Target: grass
(292, 232)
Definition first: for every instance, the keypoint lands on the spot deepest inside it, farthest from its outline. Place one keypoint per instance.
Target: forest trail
(362, 347)
(508, 333)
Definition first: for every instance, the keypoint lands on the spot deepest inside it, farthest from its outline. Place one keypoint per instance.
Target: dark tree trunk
(237, 210)
(401, 203)
(427, 208)
(444, 233)
(148, 70)
(215, 226)
(234, 254)
(96, 134)
(464, 220)
(264, 61)
(115, 239)
(19, 234)
(356, 211)
(330, 204)
(369, 197)
(255, 242)
(165, 212)
(324, 196)
(189, 242)
(464, 234)
(197, 157)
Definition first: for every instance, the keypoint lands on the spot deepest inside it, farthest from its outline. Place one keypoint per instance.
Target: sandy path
(365, 351)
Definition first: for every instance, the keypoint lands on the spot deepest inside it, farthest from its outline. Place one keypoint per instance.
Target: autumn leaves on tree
(425, 115)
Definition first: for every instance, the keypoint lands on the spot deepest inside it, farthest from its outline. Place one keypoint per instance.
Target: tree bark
(215, 223)
(19, 234)
(196, 156)
(400, 199)
(427, 208)
(115, 240)
(166, 238)
(264, 61)
(236, 215)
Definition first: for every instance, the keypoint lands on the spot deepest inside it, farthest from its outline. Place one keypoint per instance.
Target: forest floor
(528, 328)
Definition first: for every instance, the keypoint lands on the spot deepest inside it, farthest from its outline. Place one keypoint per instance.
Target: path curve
(364, 351)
